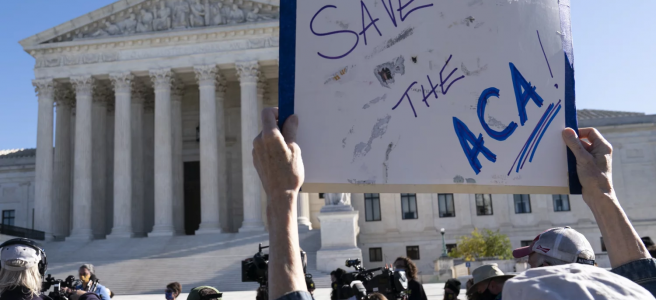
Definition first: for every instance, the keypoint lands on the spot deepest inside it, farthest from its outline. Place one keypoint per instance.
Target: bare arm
(593, 163)
(277, 159)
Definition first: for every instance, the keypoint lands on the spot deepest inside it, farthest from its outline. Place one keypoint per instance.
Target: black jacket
(21, 294)
(416, 291)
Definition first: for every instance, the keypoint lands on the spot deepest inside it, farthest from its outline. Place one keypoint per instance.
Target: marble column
(44, 157)
(122, 156)
(221, 151)
(261, 91)
(248, 77)
(163, 154)
(109, 140)
(99, 160)
(62, 171)
(72, 178)
(177, 94)
(82, 165)
(149, 162)
(209, 161)
(303, 210)
(137, 106)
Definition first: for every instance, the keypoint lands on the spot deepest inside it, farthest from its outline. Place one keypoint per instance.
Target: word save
(404, 10)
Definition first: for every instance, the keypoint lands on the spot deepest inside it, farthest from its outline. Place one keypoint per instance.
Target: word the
(433, 88)
(524, 92)
(404, 11)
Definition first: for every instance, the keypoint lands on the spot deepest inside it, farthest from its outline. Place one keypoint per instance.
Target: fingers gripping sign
(593, 158)
(276, 155)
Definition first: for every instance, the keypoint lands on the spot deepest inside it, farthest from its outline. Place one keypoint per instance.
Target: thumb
(573, 143)
(289, 129)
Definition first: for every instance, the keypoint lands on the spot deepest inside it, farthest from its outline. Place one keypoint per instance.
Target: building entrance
(191, 197)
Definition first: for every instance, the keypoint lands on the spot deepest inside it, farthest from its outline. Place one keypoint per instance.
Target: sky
(614, 49)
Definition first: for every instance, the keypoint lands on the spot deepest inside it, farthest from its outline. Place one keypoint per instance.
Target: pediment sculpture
(165, 15)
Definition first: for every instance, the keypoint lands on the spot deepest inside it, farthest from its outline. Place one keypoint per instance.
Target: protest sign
(457, 96)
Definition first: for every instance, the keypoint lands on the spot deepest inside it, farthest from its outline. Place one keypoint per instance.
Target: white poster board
(460, 96)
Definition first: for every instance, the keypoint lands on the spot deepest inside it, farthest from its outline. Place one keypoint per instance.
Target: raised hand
(594, 157)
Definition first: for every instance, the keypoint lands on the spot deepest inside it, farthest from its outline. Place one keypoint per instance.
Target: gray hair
(30, 279)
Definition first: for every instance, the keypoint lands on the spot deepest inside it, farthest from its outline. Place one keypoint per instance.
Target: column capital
(206, 75)
(64, 96)
(122, 82)
(248, 71)
(139, 92)
(83, 84)
(177, 90)
(220, 86)
(161, 78)
(261, 85)
(101, 94)
(44, 87)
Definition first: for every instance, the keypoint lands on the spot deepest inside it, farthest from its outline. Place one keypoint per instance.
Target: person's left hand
(277, 159)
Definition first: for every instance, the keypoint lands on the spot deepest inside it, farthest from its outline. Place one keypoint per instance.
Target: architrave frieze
(158, 47)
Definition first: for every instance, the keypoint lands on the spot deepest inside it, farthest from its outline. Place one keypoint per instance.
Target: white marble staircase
(146, 265)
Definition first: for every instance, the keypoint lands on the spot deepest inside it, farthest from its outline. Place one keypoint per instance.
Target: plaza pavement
(434, 291)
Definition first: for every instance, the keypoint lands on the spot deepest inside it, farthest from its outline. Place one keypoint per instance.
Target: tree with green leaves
(485, 243)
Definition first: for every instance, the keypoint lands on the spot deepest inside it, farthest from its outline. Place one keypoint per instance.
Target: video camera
(255, 269)
(362, 282)
(58, 285)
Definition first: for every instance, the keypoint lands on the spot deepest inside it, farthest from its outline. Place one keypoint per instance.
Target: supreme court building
(152, 106)
(157, 103)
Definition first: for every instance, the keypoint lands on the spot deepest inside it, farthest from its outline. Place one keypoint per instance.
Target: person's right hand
(594, 159)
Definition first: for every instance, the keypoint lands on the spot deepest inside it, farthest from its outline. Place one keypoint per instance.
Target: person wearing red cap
(557, 246)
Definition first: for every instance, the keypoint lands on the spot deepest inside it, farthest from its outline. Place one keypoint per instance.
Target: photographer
(23, 266)
(415, 289)
(336, 283)
(87, 276)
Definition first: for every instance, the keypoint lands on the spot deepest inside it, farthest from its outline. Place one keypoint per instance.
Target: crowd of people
(556, 272)
(561, 259)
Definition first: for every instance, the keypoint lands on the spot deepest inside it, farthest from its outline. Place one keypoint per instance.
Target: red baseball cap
(562, 243)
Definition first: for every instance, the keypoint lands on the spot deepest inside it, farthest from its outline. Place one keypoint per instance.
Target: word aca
(368, 22)
(524, 92)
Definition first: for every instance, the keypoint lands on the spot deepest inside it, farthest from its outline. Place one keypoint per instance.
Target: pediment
(143, 17)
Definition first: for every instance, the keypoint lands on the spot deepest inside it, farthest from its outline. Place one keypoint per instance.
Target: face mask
(85, 278)
(169, 295)
(487, 295)
(449, 296)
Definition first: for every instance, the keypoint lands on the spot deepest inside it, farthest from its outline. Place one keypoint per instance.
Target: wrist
(600, 198)
(283, 194)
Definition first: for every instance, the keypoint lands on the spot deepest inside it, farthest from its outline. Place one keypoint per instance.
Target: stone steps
(146, 265)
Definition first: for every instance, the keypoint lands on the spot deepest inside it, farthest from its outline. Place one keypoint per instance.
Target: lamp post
(444, 254)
